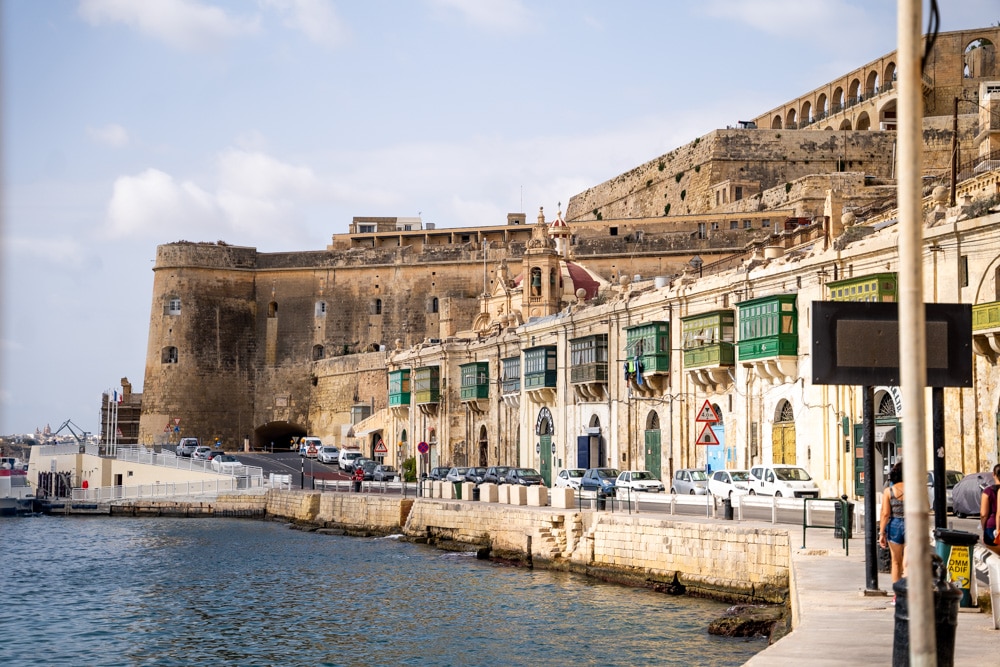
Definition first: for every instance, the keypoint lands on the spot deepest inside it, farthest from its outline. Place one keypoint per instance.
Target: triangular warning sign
(707, 414)
(707, 436)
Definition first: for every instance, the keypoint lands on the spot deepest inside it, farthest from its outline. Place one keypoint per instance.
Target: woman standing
(893, 529)
(988, 508)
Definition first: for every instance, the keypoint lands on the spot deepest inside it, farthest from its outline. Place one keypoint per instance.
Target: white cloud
(153, 205)
(499, 15)
(834, 21)
(113, 135)
(253, 172)
(316, 19)
(184, 24)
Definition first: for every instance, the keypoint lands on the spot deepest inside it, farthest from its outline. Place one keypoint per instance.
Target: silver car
(689, 481)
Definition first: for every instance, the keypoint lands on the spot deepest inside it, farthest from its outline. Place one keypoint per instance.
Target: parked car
(456, 475)
(495, 474)
(524, 477)
(367, 467)
(689, 481)
(328, 454)
(215, 452)
(638, 480)
(227, 464)
(600, 480)
(201, 453)
(729, 483)
(475, 475)
(782, 480)
(360, 462)
(346, 459)
(384, 473)
(438, 474)
(966, 495)
(951, 478)
(187, 446)
(569, 478)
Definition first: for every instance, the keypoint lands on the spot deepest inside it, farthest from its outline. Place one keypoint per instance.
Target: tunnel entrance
(279, 436)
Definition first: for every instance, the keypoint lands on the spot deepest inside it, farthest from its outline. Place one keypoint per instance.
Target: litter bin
(838, 518)
(727, 509)
(946, 598)
(602, 501)
(458, 490)
(955, 549)
(475, 493)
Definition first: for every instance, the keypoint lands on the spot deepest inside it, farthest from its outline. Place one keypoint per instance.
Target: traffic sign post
(707, 436)
(707, 414)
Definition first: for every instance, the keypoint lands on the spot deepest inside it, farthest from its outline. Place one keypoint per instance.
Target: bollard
(946, 598)
(727, 509)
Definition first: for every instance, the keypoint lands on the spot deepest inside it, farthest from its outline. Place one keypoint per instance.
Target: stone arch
(887, 116)
(845, 124)
(889, 75)
(838, 100)
(783, 434)
(822, 106)
(854, 91)
(484, 446)
(979, 59)
(652, 421)
(277, 435)
(806, 112)
(864, 121)
(790, 119)
(871, 83)
(272, 309)
(776, 122)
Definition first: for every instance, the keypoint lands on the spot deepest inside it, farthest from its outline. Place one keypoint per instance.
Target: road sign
(380, 447)
(707, 414)
(423, 448)
(166, 429)
(707, 436)
(177, 421)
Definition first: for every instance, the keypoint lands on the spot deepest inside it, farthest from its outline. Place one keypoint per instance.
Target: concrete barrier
(538, 496)
(446, 490)
(467, 488)
(562, 498)
(503, 494)
(488, 493)
(517, 494)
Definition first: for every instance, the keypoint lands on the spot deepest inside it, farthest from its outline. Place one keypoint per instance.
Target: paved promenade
(838, 625)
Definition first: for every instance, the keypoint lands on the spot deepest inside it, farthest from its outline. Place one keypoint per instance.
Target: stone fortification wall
(686, 180)
(340, 382)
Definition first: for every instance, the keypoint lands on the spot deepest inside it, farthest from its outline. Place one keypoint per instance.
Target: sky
(127, 124)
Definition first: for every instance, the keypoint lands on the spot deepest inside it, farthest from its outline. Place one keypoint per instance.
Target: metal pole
(912, 334)
(868, 442)
(940, 483)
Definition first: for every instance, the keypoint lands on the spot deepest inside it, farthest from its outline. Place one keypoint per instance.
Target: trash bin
(602, 501)
(475, 493)
(838, 518)
(727, 509)
(955, 549)
(946, 599)
(458, 490)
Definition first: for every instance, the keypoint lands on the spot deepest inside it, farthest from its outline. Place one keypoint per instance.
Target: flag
(115, 397)
(119, 397)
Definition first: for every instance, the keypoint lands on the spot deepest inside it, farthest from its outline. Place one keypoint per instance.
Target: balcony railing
(592, 372)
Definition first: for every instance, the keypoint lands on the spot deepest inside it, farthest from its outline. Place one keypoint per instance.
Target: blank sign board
(857, 343)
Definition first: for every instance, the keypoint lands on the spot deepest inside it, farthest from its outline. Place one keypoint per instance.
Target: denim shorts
(896, 531)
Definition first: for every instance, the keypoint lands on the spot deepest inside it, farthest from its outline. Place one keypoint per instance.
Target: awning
(885, 433)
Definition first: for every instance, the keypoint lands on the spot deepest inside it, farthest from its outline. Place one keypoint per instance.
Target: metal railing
(846, 520)
(203, 488)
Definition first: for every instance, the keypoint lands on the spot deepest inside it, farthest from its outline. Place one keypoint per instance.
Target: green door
(545, 447)
(653, 452)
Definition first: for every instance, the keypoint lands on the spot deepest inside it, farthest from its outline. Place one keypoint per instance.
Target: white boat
(16, 495)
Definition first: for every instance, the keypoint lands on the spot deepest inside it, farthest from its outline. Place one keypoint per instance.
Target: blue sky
(271, 123)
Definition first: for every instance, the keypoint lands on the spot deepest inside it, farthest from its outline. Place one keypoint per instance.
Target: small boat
(16, 495)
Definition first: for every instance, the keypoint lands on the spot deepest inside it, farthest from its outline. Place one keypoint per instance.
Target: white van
(347, 457)
(782, 480)
(309, 446)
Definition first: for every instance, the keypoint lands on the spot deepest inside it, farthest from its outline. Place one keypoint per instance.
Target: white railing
(171, 460)
(202, 488)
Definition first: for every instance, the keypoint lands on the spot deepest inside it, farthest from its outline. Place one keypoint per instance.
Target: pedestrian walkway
(839, 625)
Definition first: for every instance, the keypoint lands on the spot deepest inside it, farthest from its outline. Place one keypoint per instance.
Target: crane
(81, 437)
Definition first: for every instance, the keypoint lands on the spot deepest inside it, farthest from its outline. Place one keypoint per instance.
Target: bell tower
(542, 282)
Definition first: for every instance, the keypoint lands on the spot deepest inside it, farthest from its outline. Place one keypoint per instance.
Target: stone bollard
(518, 495)
(562, 498)
(538, 496)
(488, 493)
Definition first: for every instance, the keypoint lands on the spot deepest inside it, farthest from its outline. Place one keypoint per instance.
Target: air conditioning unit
(434, 341)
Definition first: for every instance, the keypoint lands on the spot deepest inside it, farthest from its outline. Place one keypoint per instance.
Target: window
(317, 352)
(739, 193)
(174, 306)
(747, 224)
(702, 230)
(366, 229)
(963, 270)
(378, 307)
(169, 355)
(613, 231)
(320, 308)
(272, 309)
(434, 304)
(734, 224)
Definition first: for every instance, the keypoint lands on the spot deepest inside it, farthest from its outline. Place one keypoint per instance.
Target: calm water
(142, 591)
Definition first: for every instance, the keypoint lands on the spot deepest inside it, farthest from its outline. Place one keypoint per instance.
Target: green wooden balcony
(475, 381)
(399, 387)
(427, 385)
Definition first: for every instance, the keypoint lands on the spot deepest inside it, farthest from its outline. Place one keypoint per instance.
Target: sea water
(174, 591)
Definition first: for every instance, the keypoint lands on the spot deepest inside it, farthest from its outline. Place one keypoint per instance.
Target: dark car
(360, 462)
(495, 474)
(369, 469)
(438, 474)
(475, 475)
(524, 477)
(600, 480)
(966, 495)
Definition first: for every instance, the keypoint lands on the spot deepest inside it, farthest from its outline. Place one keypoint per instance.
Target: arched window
(652, 421)
(434, 304)
(168, 355)
(272, 309)
(790, 119)
(838, 100)
(806, 114)
(378, 307)
(864, 121)
(785, 413)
